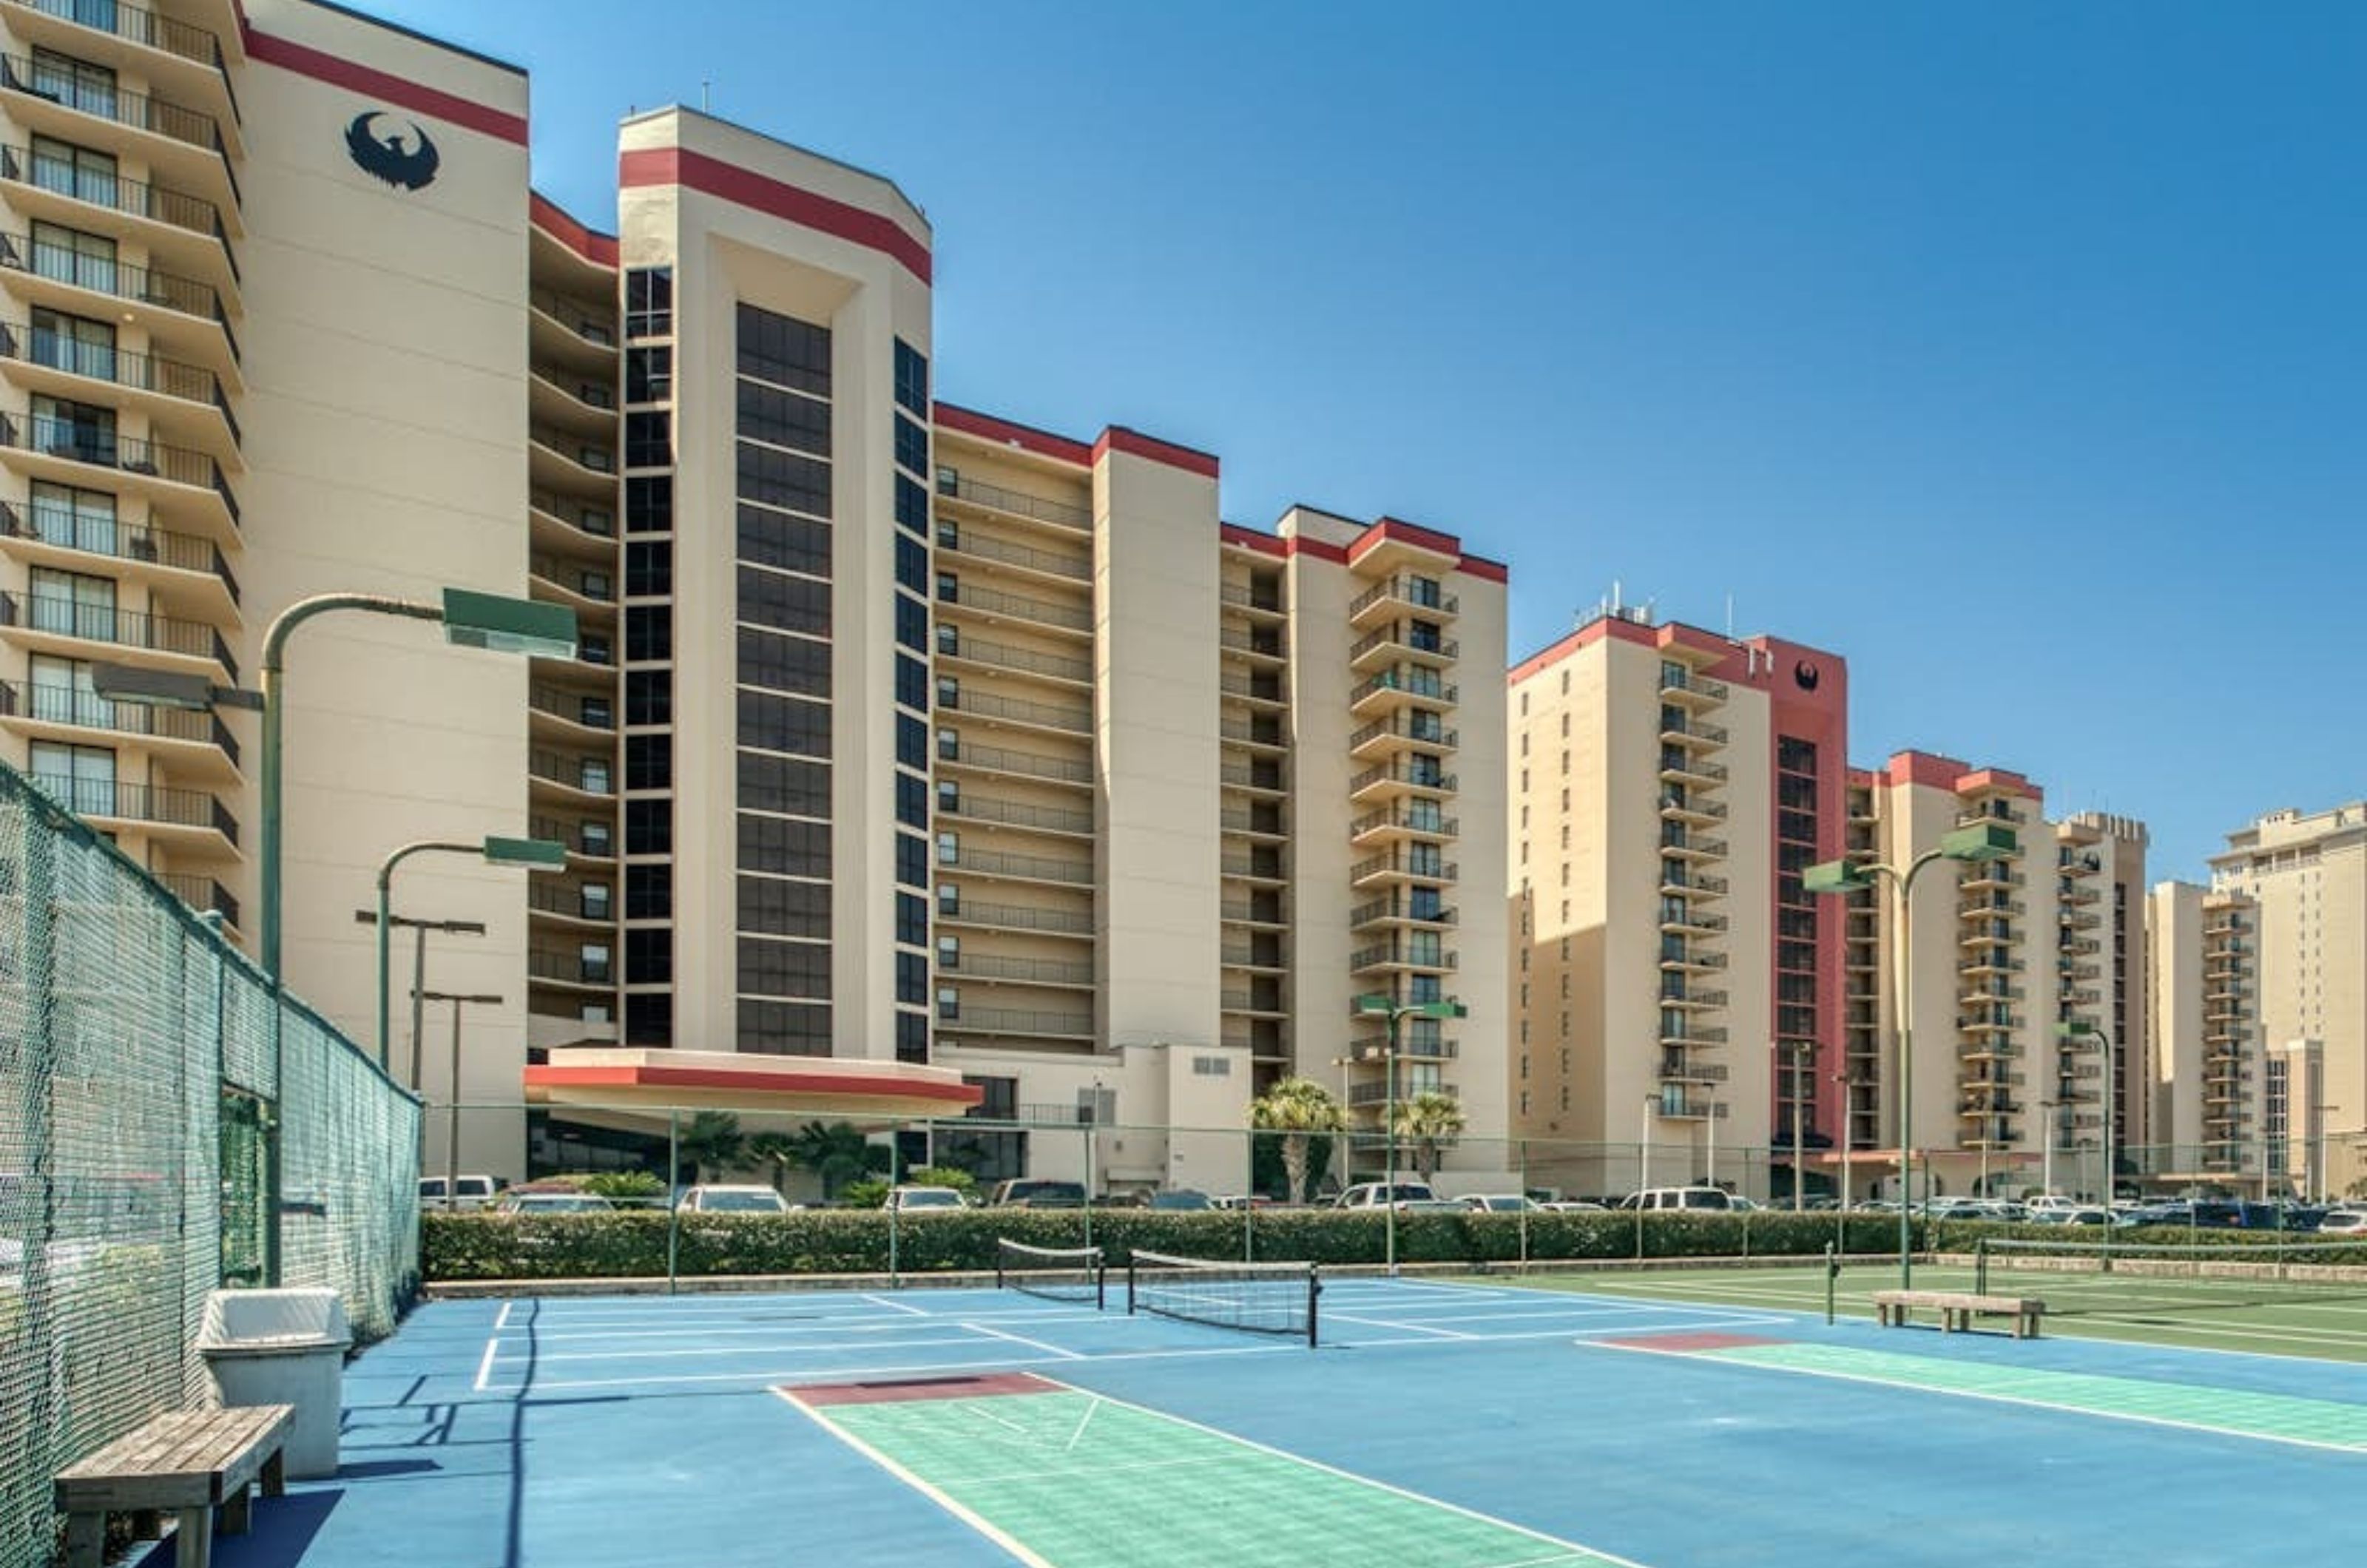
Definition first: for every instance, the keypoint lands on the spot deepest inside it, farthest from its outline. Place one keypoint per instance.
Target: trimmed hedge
(629, 1245)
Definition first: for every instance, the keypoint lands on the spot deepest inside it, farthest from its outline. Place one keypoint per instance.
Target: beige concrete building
(897, 733)
(2101, 986)
(2208, 1080)
(1673, 984)
(2308, 875)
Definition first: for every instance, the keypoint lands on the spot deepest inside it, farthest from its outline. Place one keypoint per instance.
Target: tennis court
(1479, 1424)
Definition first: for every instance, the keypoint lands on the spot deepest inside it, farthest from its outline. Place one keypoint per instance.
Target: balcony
(1391, 781)
(1067, 718)
(1700, 1035)
(175, 138)
(167, 305)
(1017, 918)
(587, 839)
(1688, 770)
(590, 711)
(192, 821)
(1400, 643)
(1679, 1067)
(1257, 599)
(1381, 870)
(1691, 1108)
(582, 585)
(162, 559)
(590, 778)
(993, 606)
(576, 402)
(1261, 733)
(1264, 912)
(1976, 813)
(580, 334)
(1022, 764)
(1379, 827)
(167, 389)
(547, 967)
(1262, 1000)
(971, 545)
(1991, 875)
(1690, 687)
(1019, 814)
(1253, 867)
(1392, 910)
(1362, 1096)
(567, 463)
(1685, 958)
(54, 622)
(1691, 733)
(1693, 810)
(181, 55)
(200, 893)
(1406, 732)
(571, 905)
(2077, 893)
(1022, 971)
(1394, 955)
(1252, 956)
(1397, 592)
(1677, 843)
(970, 1021)
(1026, 661)
(1692, 881)
(1017, 867)
(213, 748)
(1012, 502)
(1680, 918)
(1994, 906)
(180, 228)
(1393, 689)
(1265, 645)
(175, 480)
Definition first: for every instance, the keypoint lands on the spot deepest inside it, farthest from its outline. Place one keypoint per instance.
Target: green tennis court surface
(1058, 1476)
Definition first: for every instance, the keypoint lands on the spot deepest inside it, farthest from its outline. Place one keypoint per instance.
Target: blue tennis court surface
(1459, 1424)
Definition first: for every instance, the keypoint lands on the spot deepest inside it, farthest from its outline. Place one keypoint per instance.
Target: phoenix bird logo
(405, 168)
(1807, 674)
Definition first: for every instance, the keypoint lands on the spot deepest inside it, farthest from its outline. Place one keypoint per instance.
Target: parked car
(1500, 1202)
(1577, 1206)
(1431, 1206)
(1378, 1194)
(735, 1201)
(2343, 1222)
(1034, 1192)
(476, 1193)
(1239, 1201)
(1671, 1198)
(1181, 1200)
(924, 1201)
(553, 1203)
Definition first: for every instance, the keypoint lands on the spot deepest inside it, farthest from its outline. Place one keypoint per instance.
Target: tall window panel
(914, 574)
(649, 633)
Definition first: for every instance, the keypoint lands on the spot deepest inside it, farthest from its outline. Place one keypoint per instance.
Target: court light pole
(1841, 1083)
(1800, 1080)
(2046, 1149)
(452, 1112)
(1644, 1160)
(2080, 1028)
(419, 930)
(1985, 841)
(533, 854)
(1385, 1007)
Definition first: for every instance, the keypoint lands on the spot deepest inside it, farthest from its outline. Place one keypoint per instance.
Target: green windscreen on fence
(142, 1088)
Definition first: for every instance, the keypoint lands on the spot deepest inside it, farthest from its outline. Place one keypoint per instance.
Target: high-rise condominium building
(898, 733)
(1673, 983)
(2308, 874)
(2202, 958)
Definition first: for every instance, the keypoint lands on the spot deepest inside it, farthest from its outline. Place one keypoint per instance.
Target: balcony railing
(161, 204)
(84, 442)
(598, 521)
(1264, 644)
(161, 117)
(568, 968)
(1415, 778)
(591, 711)
(136, 23)
(1694, 728)
(1393, 909)
(62, 617)
(1251, 732)
(1017, 814)
(1419, 592)
(1412, 822)
(584, 452)
(1251, 775)
(570, 902)
(1254, 688)
(1251, 911)
(105, 362)
(1004, 656)
(1433, 734)
(1436, 648)
(988, 704)
(1392, 953)
(139, 803)
(991, 601)
(1679, 679)
(1019, 916)
(1234, 594)
(1068, 770)
(199, 893)
(985, 547)
(596, 583)
(1037, 971)
(1403, 866)
(45, 704)
(572, 772)
(1040, 868)
(118, 279)
(1015, 1020)
(69, 530)
(1409, 684)
(595, 324)
(1019, 503)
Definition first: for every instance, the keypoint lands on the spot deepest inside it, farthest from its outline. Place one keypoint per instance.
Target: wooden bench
(1958, 1308)
(186, 1463)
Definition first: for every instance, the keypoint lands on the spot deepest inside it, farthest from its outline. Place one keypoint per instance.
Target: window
(784, 1028)
(912, 800)
(950, 744)
(912, 564)
(783, 351)
(592, 776)
(772, 905)
(649, 894)
(794, 724)
(949, 849)
(592, 960)
(911, 445)
(912, 379)
(648, 762)
(949, 952)
(649, 503)
(778, 540)
(790, 604)
(649, 374)
(649, 302)
(912, 860)
(74, 171)
(783, 968)
(912, 682)
(649, 697)
(948, 1002)
(784, 847)
(799, 666)
(648, 569)
(911, 624)
(913, 978)
(649, 956)
(784, 419)
(948, 898)
(83, 777)
(771, 476)
(911, 1037)
(649, 826)
(594, 839)
(911, 506)
(648, 439)
(912, 920)
(912, 742)
(783, 785)
(649, 632)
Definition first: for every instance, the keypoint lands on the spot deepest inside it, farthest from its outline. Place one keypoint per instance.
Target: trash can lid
(289, 1319)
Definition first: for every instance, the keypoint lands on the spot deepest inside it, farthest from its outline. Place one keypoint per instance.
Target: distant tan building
(897, 732)
(2209, 1074)
(2101, 962)
(2308, 874)
(1672, 983)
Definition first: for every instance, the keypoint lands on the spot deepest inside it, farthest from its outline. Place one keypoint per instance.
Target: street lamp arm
(275, 641)
(424, 846)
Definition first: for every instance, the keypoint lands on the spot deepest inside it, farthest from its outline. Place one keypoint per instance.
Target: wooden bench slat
(180, 1460)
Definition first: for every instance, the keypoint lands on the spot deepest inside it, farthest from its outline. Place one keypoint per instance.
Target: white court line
(1582, 1309)
(974, 1521)
(1336, 1316)
(1031, 1344)
(485, 1367)
(948, 1339)
(504, 1320)
(1092, 1407)
(911, 1368)
(783, 1331)
(899, 1306)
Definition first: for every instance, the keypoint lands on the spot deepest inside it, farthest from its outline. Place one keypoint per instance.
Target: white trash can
(282, 1347)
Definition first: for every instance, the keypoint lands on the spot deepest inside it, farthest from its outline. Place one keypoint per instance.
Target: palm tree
(776, 1152)
(836, 1153)
(1298, 1108)
(712, 1143)
(1431, 1121)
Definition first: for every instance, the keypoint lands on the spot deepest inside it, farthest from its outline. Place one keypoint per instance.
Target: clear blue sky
(2016, 351)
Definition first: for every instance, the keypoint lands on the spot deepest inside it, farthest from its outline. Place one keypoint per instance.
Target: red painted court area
(907, 1390)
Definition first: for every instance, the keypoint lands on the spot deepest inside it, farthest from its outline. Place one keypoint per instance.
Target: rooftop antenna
(703, 84)
(1729, 617)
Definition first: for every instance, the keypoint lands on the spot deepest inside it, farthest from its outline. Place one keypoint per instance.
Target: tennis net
(1259, 1298)
(2076, 1277)
(1055, 1273)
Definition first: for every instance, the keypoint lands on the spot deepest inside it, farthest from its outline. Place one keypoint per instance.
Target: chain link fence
(151, 1089)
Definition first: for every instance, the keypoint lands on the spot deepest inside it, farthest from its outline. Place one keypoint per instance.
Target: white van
(1377, 1194)
(476, 1193)
(1702, 1199)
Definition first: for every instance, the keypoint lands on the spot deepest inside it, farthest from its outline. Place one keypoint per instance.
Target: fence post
(38, 900)
(1088, 1130)
(1520, 1159)
(895, 1214)
(673, 1183)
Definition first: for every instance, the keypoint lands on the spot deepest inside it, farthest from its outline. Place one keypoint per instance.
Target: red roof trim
(1391, 528)
(582, 239)
(761, 193)
(1026, 437)
(1251, 539)
(572, 1077)
(1134, 443)
(322, 66)
(1480, 566)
